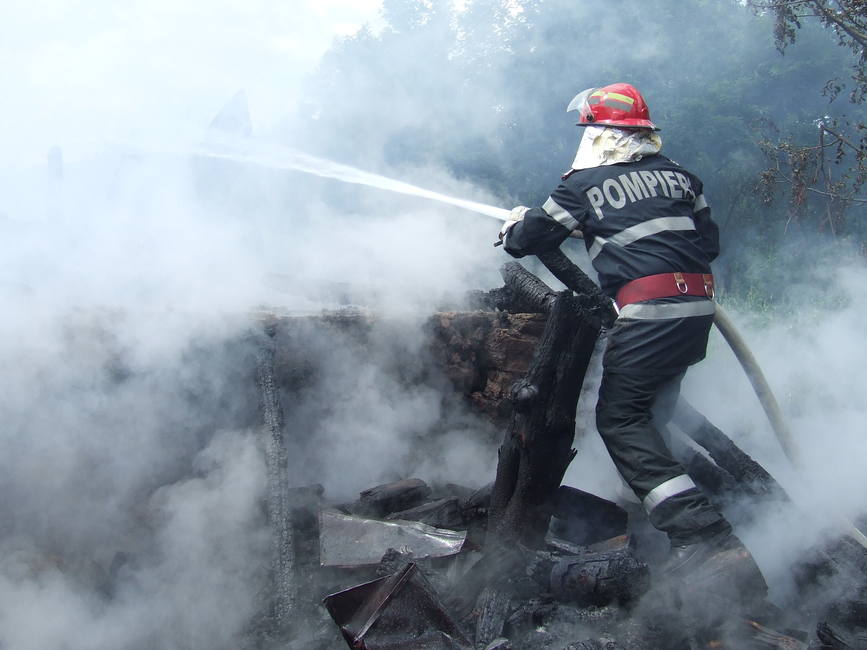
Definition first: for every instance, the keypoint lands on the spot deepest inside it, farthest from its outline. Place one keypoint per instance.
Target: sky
(89, 71)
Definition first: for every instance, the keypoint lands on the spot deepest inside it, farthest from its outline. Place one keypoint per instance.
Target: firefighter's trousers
(632, 409)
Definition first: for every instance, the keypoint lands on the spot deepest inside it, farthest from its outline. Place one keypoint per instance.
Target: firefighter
(648, 230)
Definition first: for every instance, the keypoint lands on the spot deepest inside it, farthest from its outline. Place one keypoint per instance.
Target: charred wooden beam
(528, 292)
(565, 270)
(836, 571)
(393, 497)
(592, 578)
(537, 447)
(494, 606)
(584, 579)
(751, 477)
(844, 625)
(283, 583)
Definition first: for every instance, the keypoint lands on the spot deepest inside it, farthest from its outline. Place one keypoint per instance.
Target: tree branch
(832, 17)
(822, 11)
(789, 180)
(854, 147)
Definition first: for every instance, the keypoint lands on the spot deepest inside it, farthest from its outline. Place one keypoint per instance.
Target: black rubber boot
(715, 578)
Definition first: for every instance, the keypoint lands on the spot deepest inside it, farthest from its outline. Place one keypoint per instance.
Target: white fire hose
(760, 385)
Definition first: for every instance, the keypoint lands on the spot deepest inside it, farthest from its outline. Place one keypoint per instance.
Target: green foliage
(847, 19)
(824, 169)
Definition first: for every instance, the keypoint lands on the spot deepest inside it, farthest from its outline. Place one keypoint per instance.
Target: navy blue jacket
(637, 219)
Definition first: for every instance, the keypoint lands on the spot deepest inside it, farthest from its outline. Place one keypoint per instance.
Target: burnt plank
(393, 497)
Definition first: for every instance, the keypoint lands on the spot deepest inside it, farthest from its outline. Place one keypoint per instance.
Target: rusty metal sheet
(395, 612)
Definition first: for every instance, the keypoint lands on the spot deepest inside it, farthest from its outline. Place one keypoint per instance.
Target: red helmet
(613, 105)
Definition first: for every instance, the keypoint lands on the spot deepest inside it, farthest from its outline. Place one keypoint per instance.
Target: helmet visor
(579, 102)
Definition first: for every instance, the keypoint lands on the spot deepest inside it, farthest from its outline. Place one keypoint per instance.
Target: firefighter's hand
(516, 215)
(518, 212)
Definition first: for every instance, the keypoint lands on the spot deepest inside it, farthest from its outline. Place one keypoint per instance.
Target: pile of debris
(423, 578)
(525, 562)
(408, 566)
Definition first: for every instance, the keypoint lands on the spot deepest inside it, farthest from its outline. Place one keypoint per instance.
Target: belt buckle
(708, 286)
(680, 282)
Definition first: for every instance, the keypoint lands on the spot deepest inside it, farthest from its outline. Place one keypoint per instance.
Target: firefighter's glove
(516, 215)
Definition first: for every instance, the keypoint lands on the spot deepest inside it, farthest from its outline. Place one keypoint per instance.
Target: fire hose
(760, 385)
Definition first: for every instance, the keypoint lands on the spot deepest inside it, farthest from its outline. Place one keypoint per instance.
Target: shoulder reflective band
(670, 488)
(641, 230)
(559, 214)
(643, 311)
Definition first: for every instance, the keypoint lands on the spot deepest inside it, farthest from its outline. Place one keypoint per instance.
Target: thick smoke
(133, 476)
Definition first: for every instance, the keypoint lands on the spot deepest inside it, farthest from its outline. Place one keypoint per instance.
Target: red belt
(665, 285)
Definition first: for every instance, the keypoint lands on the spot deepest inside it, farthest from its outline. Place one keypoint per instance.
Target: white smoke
(125, 358)
(191, 584)
(814, 362)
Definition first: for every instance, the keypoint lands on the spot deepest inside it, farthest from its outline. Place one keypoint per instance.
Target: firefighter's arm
(536, 230)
